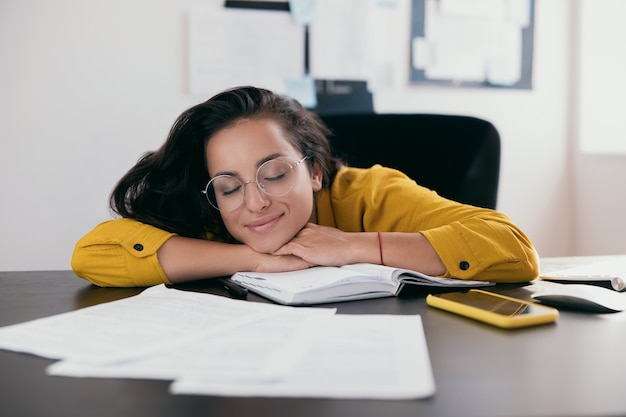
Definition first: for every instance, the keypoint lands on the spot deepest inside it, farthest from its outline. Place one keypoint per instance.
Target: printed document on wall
(359, 40)
(230, 47)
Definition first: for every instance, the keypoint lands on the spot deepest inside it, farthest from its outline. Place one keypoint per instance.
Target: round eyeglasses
(274, 177)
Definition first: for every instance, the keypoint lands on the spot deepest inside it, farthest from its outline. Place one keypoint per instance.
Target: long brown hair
(163, 188)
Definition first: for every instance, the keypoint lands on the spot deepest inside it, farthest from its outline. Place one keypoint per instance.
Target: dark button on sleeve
(138, 247)
(464, 265)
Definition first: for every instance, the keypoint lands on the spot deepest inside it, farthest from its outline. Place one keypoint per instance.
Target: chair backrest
(457, 156)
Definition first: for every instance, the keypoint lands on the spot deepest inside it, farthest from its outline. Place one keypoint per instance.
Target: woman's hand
(321, 245)
(281, 263)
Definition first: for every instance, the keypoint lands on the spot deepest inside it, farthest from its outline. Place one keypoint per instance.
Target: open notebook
(328, 284)
(605, 271)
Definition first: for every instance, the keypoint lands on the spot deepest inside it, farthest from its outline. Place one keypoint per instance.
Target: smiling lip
(263, 225)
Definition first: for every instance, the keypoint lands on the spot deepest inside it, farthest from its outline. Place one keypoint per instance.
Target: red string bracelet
(380, 249)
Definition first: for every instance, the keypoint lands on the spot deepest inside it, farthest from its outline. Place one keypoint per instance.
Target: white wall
(87, 86)
(599, 195)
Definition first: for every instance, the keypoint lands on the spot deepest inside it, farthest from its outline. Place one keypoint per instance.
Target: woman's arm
(419, 230)
(127, 253)
(484, 245)
(185, 259)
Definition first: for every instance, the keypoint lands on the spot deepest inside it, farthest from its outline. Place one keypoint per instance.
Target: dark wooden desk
(575, 367)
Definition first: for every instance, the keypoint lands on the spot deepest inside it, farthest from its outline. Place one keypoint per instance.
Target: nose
(255, 199)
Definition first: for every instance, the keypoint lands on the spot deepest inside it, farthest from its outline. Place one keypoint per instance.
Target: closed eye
(275, 178)
(231, 191)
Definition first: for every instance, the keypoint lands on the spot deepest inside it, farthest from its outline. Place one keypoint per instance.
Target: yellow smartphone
(495, 309)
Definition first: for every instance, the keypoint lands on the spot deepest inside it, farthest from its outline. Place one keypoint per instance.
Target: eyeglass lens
(274, 178)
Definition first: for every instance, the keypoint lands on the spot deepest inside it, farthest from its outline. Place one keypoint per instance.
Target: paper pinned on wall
(359, 40)
(339, 41)
(303, 12)
(303, 90)
(230, 47)
(421, 53)
(473, 8)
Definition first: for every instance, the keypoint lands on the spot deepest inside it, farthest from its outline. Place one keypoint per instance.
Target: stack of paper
(213, 345)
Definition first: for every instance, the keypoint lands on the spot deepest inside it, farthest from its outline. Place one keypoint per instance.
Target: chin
(265, 247)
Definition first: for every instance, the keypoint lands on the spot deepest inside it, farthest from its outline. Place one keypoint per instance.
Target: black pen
(233, 289)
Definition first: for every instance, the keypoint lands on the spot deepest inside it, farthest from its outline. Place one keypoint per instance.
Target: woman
(246, 182)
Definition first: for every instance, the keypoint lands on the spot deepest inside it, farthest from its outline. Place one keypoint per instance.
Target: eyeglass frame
(259, 185)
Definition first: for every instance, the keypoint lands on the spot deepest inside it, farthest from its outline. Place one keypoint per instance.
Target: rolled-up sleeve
(472, 242)
(486, 246)
(121, 253)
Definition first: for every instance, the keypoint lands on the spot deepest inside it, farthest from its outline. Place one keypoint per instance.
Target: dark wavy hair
(164, 188)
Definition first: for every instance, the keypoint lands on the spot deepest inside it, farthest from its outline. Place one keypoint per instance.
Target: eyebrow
(258, 164)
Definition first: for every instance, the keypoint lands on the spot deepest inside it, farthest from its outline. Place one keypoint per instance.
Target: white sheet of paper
(154, 321)
(353, 356)
(259, 351)
(230, 47)
(359, 40)
(475, 8)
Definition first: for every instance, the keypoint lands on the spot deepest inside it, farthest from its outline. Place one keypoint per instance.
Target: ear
(316, 177)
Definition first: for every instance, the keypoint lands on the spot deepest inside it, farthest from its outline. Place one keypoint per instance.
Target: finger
(295, 262)
(281, 251)
(286, 249)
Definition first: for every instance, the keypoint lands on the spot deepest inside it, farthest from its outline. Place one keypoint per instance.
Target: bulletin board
(472, 43)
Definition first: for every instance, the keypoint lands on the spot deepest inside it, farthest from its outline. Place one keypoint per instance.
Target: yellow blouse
(473, 243)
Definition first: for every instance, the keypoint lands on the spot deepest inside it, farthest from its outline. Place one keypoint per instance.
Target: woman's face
(262, 221)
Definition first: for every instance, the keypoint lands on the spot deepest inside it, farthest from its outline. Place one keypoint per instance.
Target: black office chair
(457, 156)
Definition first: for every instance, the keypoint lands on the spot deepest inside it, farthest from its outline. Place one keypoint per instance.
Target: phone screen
(493, 308)
(492, 303)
